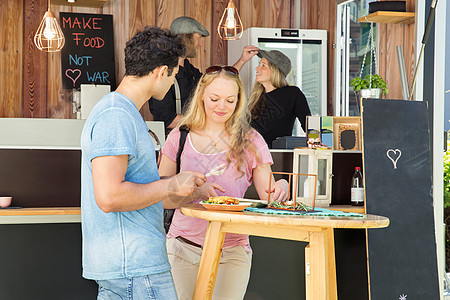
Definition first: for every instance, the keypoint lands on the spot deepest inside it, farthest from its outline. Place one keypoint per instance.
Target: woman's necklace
(214, 143)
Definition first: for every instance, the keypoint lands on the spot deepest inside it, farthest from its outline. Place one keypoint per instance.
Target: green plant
(377, 83)
(447, 178)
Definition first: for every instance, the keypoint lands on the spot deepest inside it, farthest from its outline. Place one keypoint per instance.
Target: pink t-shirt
(235, 185)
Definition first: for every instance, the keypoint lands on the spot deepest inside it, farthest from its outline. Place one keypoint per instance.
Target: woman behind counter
(274, 104)
(219, 133)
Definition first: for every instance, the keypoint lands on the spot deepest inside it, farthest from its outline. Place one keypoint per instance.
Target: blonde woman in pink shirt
(218, 120)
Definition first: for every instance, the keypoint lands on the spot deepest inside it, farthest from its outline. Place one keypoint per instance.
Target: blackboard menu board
(398, 185)
(88, 55)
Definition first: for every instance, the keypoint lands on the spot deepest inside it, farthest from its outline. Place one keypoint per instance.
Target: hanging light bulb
(49, 31)
(230, 25)
(49, 36)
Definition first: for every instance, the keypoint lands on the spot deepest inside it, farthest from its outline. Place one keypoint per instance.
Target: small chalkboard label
(88, 55)
(398, 185)
(348, 138)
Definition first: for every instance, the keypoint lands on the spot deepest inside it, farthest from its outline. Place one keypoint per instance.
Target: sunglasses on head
(217, 69)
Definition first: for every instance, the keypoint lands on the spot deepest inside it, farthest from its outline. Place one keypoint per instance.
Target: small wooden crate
(318, 162)
(340, 126)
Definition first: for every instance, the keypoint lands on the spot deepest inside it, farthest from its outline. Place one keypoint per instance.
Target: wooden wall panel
(278, 13)
(394, 38)
(200, 10)
(120, 11)
(381, 32)
(219, 52)
(391, 36)
(34, 63)
(11, 45)
(409, 52)
(167, 11)
(59, 104)
(304, 13)
(142, 13)
(35, 89)
(314, 19)
(253, 13)
(409, 45)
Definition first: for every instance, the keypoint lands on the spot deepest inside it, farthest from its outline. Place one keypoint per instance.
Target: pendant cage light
(49, 36)
(230, 25)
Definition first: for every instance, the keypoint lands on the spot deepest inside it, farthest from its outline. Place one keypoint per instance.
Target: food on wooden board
(222, 200)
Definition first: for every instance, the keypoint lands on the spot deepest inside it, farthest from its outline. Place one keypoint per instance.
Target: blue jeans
(157, 286)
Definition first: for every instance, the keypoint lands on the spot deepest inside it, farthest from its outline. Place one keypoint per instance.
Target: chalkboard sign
(398, 185)
(88, 55)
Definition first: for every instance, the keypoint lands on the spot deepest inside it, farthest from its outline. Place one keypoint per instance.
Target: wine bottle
(357, 188)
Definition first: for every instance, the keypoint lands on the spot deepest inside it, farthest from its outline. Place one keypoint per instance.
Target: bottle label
(357, 195)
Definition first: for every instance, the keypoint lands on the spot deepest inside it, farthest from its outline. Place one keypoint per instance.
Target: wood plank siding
(391, 36)
(31, 83)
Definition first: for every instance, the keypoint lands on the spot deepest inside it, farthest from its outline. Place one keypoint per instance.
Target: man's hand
(186, 183)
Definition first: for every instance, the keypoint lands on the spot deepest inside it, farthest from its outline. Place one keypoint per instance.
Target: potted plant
(372, 86)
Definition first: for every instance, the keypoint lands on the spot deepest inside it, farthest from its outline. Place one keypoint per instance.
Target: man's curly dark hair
(151, 48)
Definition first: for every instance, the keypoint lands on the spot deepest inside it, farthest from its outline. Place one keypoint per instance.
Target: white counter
(58, 134)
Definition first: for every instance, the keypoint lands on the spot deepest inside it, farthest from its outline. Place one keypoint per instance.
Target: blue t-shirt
(120, 244)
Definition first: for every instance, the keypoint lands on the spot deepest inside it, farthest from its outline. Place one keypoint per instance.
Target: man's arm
(113, 193)
(169, 168)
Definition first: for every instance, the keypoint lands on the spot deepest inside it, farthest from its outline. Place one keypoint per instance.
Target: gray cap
(187, 25)
(281, 61)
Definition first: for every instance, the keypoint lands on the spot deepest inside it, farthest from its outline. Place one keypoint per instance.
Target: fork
(217, 170)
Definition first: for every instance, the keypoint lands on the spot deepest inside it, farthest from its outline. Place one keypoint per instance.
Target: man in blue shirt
(121, 192)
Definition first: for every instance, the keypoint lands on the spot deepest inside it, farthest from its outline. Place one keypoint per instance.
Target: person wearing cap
(274, 105)
(170, 110)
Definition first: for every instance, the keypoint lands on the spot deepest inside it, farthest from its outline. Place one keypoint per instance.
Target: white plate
(252, 200)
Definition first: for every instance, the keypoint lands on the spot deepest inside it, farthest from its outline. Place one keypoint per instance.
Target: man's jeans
(157, 286)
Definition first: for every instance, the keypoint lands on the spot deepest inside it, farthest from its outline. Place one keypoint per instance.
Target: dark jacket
(165, 109)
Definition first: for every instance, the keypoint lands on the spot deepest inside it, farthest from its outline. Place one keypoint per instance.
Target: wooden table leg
(322, 265)
(209, 262)
(308, 274)
(331, 264)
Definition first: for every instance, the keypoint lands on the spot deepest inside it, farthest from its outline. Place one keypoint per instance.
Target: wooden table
(317, 231)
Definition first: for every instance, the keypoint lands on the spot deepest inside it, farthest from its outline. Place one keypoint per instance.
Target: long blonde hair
(257, 99)
(237, 126)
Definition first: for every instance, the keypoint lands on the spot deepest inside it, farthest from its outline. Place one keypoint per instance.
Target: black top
(165, 109)
(281, 107)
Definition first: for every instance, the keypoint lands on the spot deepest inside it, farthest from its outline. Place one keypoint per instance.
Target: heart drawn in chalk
(394, 155)
(73, 74)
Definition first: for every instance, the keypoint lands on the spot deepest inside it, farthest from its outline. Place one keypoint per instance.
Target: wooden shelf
(392, 17)
(38, 215)
(39, 211)
(83, 3)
